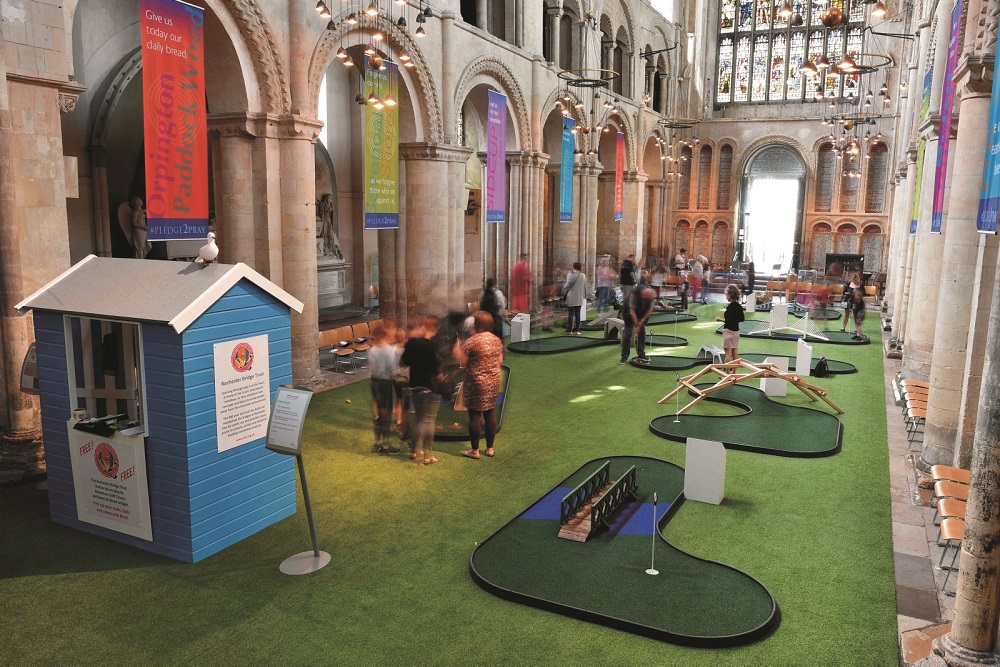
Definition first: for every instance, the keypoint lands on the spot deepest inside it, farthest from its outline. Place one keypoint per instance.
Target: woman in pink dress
(481, 355)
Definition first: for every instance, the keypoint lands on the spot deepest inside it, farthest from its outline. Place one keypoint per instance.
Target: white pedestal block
(774, 386)
(803, 359)
(751, 305)
(705, 471)
(779, 317)
(613, 327)
(520, 328)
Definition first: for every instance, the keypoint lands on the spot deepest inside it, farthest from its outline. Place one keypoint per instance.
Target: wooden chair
(915, 418)
(362, 341)
(950, 490)
(941, 473)
(948, 508)
(344, 355)
(791, 288)
(952, 532)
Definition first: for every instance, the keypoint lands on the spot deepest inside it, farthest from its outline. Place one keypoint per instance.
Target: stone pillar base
(956, 655)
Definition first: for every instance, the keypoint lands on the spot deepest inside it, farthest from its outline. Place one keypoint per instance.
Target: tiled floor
(923, 610)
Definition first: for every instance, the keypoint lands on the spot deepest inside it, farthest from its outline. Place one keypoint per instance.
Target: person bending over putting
(731, 324)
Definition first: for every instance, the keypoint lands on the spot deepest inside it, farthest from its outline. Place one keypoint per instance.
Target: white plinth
(705, 471)
(520, 328)
(803, 359)
(751, 306)
(779, 317)
(774, 386)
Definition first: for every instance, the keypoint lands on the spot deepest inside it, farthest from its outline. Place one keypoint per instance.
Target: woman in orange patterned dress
(481, 355)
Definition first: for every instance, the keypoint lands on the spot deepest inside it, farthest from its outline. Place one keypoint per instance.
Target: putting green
(669, 318)
(752, 329)
(453, 425)
(692, 601)
(665, 363)
(834, 367)
(767, 426)
(556, 344)
(819, 313)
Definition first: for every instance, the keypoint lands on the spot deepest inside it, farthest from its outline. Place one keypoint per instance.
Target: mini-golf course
(667, 363)
(756, 329)
(558, 344)
(765, 426)
(658, 317)
(453, 425)
(692, 601)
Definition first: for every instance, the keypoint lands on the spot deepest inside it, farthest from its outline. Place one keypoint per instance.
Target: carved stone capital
(635, 177)
(298, 127)
(931, 127)
(434, 152)
(67, 102)
(232, 125)
(974, 77)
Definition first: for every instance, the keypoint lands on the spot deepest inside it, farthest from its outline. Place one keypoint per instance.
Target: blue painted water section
(634, 518)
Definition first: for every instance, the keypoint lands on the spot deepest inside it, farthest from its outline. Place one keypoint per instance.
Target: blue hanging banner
(989, 194)
(566, 171)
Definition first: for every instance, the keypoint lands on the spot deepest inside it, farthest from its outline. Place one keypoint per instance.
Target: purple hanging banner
(619, 175)
(496, 158)
(947, 105)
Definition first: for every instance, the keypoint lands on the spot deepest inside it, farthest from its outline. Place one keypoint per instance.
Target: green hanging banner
(381, 145)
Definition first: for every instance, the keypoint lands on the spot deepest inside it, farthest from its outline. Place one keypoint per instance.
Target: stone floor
(923, 610)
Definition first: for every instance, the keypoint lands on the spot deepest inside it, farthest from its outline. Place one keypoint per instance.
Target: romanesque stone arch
(498, 74)
(430, 109)
(770, 140)
(267, 64)
(99, 125)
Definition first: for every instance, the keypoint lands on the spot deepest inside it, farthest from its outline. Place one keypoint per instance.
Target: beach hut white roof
(144, 290)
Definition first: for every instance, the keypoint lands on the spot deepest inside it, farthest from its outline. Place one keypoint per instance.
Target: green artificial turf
(815, 532)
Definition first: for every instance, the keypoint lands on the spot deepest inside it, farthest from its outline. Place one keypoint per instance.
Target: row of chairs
(349, 344)
(913, 396)
(951, 493)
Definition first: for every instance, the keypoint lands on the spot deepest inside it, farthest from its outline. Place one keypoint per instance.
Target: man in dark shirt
(635, 316)
(420, 355)
(626, 280)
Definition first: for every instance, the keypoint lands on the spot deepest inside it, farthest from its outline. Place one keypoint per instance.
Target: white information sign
(242, 391)
(284, 431)
(803, 358)
(775, 386)
(109, 476)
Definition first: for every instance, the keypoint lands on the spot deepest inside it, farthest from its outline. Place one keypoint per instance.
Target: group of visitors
(409, 379)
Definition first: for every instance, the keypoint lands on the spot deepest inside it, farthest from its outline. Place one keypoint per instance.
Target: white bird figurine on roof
(208, 252)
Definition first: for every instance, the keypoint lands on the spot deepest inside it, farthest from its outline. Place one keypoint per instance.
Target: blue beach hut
(188, 358)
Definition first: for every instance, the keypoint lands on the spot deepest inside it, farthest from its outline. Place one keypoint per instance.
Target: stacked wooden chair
(951, 493)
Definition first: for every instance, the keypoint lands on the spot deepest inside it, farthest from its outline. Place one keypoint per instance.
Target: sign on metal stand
(284, 436)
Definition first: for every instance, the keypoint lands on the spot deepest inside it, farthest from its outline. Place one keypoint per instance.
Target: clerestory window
(760, 52)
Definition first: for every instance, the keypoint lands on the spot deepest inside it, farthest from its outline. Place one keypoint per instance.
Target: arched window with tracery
(760, 53)
(846, 239)
(826, 166)
(684, 186)
(875, 181)
(871, 245)
(682, 236)
(720, 243)
(702, 240)
(704, 176)
(724, 195)
(822, 244)
(850, 183)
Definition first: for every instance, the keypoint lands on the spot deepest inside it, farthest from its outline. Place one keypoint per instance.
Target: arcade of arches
(285, 150)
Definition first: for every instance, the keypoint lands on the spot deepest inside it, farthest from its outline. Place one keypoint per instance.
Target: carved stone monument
(331, 268)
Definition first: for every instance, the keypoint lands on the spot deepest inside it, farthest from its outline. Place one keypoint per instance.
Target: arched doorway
(772, 199)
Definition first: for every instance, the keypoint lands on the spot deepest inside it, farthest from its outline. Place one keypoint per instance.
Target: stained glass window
(776, 91)
(725, 91)
(758, 92)
(728, 16)
(760, 53)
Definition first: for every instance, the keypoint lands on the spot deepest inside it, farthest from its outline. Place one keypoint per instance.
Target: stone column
(536, 247)
(435, 179)
(655, 232)
(553, 14)
(925, 279)
(958, 268)
(905, 249)
(449, 116)
(973, 636)
(19, 415)
(234, 191)
(588, 240)
(102, 208)
(632, 228)
(482, 15)
(298, 240)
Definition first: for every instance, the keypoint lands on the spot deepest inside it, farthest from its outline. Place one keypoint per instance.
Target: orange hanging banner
(176, 141)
